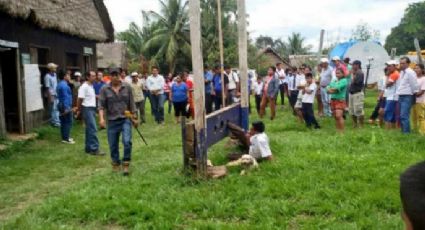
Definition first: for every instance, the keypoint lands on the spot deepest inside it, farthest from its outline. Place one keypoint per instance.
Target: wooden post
(243, 63)
(21, 95)
(2, 112)
(199, 95)
(418, 51)
(220, 41)
(319, 53)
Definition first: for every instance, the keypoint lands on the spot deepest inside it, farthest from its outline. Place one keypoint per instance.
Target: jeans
(115, 128)
(406, 102)
(66, 124)
(308, 115)
(258, 102)
(157, 102)
(146, 95)
(218, 101)
(282, 93)
(326, 101)
(89, 116)
(54, 112)
(208, 103)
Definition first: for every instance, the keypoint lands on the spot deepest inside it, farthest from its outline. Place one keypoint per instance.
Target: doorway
(9, 87)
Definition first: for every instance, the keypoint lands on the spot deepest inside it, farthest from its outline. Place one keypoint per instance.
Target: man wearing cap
(325, 80)
(356, 95)
(406, 91)
(137, 87)
(50, 84)
(117, 99)
(391, 113)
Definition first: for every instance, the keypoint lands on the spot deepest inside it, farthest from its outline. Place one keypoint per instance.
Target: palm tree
(295, 45)
(170, 37)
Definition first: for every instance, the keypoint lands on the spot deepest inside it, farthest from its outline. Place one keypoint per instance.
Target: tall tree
(171, 35)
(295, 45)
(411, 26)
(363, 32)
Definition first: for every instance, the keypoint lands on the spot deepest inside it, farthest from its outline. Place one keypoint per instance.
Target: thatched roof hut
(87, 19)
(272, 57)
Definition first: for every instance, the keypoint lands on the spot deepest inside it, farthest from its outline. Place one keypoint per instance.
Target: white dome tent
(366, 52)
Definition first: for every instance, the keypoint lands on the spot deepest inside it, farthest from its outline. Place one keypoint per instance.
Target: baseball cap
(391, 62)
(336, 58)
(324, 60)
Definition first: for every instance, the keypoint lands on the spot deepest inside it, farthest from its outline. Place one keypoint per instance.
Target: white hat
(391, 62)
(134, 74)
(336, 58)
(77, 74)
(52, 66)
(324, 60)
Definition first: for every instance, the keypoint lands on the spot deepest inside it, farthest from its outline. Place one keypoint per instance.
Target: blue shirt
(64, 94)
(179, 92)
(208, 77)
(97, 86)
(51, 82)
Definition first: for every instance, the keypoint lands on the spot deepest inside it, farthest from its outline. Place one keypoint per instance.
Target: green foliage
(412, 26)
(294, 45)
(363, 32)
(318, 180)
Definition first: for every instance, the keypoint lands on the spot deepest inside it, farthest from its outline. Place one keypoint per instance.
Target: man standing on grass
(356, 96)
(65, 107)
(234, 86)
(280, 72)
(208, 78)
(325, 80)
(50, 84)
(155, 84)
(87, 104)
(117, 100)
(391, 105)
(406, 91)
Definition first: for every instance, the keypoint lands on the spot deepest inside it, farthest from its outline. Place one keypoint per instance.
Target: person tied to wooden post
(116, 99)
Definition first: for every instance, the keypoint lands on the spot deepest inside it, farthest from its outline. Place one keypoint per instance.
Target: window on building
(72, 61)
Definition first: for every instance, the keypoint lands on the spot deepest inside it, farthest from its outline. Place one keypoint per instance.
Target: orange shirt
(394, 76)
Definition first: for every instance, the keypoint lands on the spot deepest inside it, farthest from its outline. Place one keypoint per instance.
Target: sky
(279, 18)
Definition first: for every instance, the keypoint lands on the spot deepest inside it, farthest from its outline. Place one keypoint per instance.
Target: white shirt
(87, 94)
(156, 83)
(300, 80)
(309, 97)
(290, 82)
(258, 87)
(408, 82)
(233, 80)
(281, 75)
(259, 147)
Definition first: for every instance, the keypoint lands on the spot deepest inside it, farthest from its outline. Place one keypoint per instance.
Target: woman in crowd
(418, 112)
(337, 89)
(179, 96)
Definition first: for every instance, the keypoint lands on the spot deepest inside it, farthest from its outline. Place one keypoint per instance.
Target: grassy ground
(319, 180)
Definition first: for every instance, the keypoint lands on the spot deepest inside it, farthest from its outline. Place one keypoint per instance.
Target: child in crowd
(259, 142)
(337, 89)
(309, 93)
(258, 88)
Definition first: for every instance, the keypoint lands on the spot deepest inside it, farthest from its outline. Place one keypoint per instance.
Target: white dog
(246, 161)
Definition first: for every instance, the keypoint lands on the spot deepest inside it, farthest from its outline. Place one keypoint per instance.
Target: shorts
(338, 105)
(391, 112)
(356, 104)
(382, 102)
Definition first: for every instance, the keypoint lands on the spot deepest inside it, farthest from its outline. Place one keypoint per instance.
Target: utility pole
(197, 65)
(418, 51)
(243, 62)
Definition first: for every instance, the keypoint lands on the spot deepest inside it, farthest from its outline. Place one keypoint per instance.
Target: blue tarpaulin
(342, 48)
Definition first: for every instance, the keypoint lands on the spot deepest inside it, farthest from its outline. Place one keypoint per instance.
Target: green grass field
(318, 180)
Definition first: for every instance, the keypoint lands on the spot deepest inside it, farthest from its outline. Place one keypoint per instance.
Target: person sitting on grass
(412, 193)
(337, 89)
(179, 96)
(259, 147)
(309, 93)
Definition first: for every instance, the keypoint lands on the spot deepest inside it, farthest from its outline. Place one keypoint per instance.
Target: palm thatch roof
(87, 19)
(270, 51)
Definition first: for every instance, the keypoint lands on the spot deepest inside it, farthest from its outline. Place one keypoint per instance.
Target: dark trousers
(293, 98)
(218, 101)
(258, 102)
(180, 108)
(66, 124)
(282, 94)
(115, 129)
(157, 103)
(208, 103)
(375, 112)
(308, 115)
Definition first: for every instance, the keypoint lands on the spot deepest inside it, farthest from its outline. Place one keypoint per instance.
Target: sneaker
(69, 141)
(96, 153)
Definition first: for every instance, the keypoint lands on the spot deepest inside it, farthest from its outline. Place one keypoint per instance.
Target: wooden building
(38, 32)
(269, 57)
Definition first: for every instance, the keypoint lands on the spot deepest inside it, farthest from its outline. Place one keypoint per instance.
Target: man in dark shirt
(117, 100)
(356, 96)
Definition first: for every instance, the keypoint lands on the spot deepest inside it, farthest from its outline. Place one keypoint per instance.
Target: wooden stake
(220, 41)
(319, 53)
(243, 62)
(418, 51)
(199, 95)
